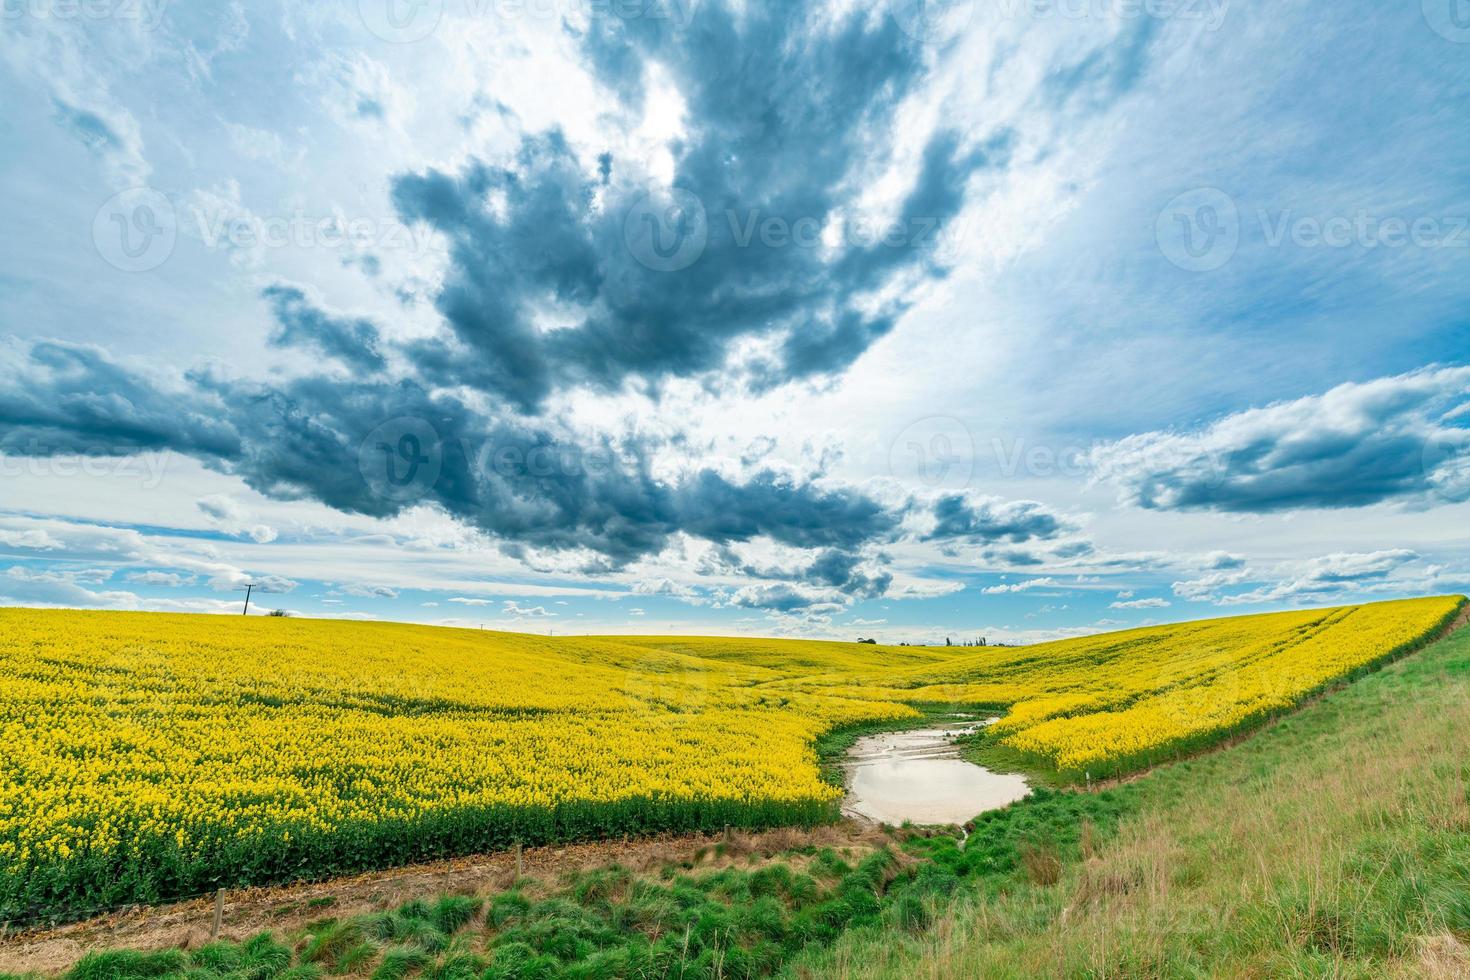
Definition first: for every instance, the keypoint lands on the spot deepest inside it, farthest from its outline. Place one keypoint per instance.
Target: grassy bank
(1334, 843)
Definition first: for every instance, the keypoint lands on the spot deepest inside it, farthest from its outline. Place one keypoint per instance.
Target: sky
(1015, 319)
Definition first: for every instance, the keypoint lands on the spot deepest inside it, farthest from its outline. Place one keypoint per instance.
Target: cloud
(58, 398)
(1154, 603)
(990, 519)
(231, 517)
(270, 584)
(356, 90)
(1026, 586)
(1355, 445)
(1330, 575)
(369, 591)
(579, 232)
(354, 342)
(23, 586)
(781, 598)
(512, 608)
(109, 135)
(1207, 587)
(173, 580)
(33, 539)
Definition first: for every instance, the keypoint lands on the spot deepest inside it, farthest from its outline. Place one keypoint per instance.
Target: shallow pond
(918, 776)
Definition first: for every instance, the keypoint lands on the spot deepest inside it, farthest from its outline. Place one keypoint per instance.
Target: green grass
(688, 921)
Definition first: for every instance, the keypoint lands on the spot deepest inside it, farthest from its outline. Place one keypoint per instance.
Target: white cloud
(1153, 603)
(1026, 586)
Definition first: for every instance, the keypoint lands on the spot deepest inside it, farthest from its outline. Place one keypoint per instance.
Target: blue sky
(1002, 318)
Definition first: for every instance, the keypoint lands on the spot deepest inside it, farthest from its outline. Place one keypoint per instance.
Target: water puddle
(919, 777)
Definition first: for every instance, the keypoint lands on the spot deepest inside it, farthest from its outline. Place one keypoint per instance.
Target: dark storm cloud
(323, 439)
(779, 598)
(992, 520)
(848, 572)
(67, 398)
(783, 110)
(354, 342)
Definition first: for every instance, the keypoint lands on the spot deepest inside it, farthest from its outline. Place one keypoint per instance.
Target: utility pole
(248, 587)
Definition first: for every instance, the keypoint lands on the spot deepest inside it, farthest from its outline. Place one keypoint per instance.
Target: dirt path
(289, 907)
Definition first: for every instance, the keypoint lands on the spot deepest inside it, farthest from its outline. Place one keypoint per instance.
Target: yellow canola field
(154, 755)
(1117, 701)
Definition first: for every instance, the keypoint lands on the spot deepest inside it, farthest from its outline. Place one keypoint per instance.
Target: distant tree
(861, 640)
(947, 643)
(279, 612)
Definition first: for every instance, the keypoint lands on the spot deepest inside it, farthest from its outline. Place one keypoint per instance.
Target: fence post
(219, 913)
